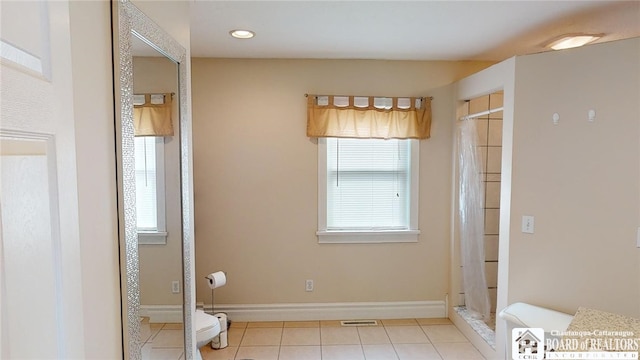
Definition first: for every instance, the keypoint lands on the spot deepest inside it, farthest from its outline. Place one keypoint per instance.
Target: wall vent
(359, 323)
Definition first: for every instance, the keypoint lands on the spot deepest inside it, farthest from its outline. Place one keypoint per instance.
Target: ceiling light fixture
(573, 40)
(242, 34)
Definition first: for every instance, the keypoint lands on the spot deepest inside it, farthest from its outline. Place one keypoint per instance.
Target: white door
(40, 279)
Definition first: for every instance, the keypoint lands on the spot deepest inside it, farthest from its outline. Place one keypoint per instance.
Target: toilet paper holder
(216, 280)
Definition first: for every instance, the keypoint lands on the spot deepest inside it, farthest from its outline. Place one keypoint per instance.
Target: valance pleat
(152, 115)
(368, 117)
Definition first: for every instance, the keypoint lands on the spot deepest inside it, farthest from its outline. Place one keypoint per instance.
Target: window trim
(159, 235)
(369, 236)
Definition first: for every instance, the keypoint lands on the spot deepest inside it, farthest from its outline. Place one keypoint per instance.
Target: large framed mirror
(156, 245)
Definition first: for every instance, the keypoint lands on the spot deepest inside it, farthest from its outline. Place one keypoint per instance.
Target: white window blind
(368, 184)
(150, 194)
(146, 184)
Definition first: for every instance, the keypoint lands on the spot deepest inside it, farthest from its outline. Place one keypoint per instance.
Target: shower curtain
(471, 220)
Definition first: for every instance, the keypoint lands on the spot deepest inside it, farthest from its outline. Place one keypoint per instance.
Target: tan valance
(152, 115)
(368, 117)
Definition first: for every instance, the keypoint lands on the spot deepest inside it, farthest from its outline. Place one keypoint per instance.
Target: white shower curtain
(471, 220)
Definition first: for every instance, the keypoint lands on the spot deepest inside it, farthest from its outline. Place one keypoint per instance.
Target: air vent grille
(359, 323)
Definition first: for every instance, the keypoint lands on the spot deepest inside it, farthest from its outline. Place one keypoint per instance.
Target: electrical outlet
(527, 224)
(175, 287)
(308, 285)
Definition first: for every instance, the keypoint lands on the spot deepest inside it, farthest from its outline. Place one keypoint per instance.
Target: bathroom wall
(579, 179)
(161, 264)
(256, 183)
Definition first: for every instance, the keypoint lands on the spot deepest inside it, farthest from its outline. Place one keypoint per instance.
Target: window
(150, 196)
(368, 190)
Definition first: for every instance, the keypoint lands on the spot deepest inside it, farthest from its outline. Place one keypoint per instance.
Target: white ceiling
(401, 30)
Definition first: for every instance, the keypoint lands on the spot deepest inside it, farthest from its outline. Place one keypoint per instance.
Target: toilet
(522, 315)
(207, 327)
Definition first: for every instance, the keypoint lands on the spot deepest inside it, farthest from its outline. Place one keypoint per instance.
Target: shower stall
(478, 178)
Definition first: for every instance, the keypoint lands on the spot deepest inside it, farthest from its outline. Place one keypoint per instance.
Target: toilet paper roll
(221, 341)
(222, 317)
(217, 279)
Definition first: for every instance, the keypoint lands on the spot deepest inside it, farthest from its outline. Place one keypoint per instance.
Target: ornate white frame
(127, 22)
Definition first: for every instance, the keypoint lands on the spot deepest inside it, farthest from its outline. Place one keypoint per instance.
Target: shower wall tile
(491, 247)
(492, 195)
(483, 150)
(492, 298)
(496, 100)
(479, 104)
(491, 272)
(461, 299)
(494, 136)
(496, 115)
(489, 130)
(494, 159)
(482, 127)
(491, 221)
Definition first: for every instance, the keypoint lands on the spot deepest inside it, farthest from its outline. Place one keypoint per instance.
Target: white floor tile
(416, 352)
(300, 353)
(379, 352)
(458, 351)
(444, 333)
(407, 335)
(342, 352)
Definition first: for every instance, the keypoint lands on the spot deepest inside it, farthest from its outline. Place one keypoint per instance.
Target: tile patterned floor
(400, 339)
(161, 341)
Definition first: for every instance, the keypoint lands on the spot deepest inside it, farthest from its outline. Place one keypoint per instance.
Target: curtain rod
(421, 97)
(482, 113)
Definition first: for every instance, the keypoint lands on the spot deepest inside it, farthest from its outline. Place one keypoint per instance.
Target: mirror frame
(129, 21)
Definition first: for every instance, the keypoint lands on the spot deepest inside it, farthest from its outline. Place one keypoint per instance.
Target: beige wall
(256, 183)
(161, 264)
(579, 179)
(95, 159)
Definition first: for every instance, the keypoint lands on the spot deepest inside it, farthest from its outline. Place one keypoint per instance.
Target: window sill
(367, 237)
(152, 237)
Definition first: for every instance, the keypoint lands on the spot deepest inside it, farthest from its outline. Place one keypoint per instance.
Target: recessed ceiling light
(242, 34)
(573, 40)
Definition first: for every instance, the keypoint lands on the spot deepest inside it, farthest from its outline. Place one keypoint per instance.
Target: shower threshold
(486, 331)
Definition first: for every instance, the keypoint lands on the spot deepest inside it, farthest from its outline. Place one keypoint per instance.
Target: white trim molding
(332, 311)
(410, 235)
(356, 237)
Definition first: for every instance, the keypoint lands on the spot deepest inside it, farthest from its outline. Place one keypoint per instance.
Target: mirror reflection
(158, 201)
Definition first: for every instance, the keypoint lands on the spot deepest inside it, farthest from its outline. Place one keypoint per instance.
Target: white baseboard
(162, 313)
(332, 311)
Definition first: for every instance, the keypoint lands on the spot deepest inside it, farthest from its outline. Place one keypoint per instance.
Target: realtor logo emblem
(527, 344)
